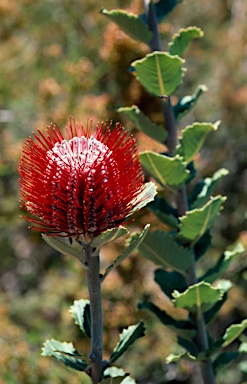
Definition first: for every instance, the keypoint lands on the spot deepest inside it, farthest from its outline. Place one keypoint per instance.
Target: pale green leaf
(193, 136)
(109, 235)
(161, 249)
(223, 263)
(185, 104)
(145, 197)
(81, 313)
(127, 338)
(186, 356)
(64, 352)
(144, 124)
(131, 24)
(233, 332)
(168, 171)
(182, 39)
(118, 376)
(62, 245)
(196, 222)
(133, 245)
(159, 72)
(207, 187)
(199, 297)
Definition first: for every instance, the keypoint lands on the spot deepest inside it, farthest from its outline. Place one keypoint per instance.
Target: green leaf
(81, 313)
(168, 171)
(206, 188)
(64, 352)
(159, 72)
(224, 359)
(164, 212)
(193, 136)
(181, 328)
(162, 8)
(144, 124)
(161, 249)
(145, 197)
(233, 332)
(196, 222)
(63, 245)
(169, 281)
(223, 263)
(133, 245)
(185, 104)
(199, 297)
(116, 375)
(131, 24)
(109, 235)
(127, 338)
(181, 40)
(209, 315)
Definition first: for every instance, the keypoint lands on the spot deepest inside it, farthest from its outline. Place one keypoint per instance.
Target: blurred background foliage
(60, 58)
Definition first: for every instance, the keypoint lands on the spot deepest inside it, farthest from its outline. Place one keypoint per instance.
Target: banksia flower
(82, 185)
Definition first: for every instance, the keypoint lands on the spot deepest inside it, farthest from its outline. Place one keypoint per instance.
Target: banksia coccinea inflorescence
(82, 185)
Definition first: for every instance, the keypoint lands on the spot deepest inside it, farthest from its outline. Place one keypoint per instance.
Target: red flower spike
(81, 186)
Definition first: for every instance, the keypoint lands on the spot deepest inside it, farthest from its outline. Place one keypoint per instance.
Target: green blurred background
(60, 58)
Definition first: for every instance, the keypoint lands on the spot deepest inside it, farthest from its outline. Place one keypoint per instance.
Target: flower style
(83, 185)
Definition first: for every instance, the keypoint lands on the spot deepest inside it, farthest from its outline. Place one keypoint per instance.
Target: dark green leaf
(164, 212)
(133, 245)
(159, 72)
(187, 344)
(198, 297)
(202, 245)
(181, 328)
(193, 136)
(182, 39)
(131, 24)
(161, 248)
(204, 190)
(196, 222)
(162, 8)
(223, 263)
(127, 338)
(211, 313)
(224, 359)
(185, 104)
(144, 124)
(169, 281)
(81, 313)
(168, 171)
(64, 352)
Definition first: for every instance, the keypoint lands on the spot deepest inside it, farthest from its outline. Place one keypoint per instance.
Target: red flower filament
(80, 186)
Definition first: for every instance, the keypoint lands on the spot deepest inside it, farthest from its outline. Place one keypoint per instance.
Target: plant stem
(94, 289)
(182, 201)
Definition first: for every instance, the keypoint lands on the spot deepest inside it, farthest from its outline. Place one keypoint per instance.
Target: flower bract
(83, 184)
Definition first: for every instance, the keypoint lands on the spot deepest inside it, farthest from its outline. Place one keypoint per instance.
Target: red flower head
(83, 185)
